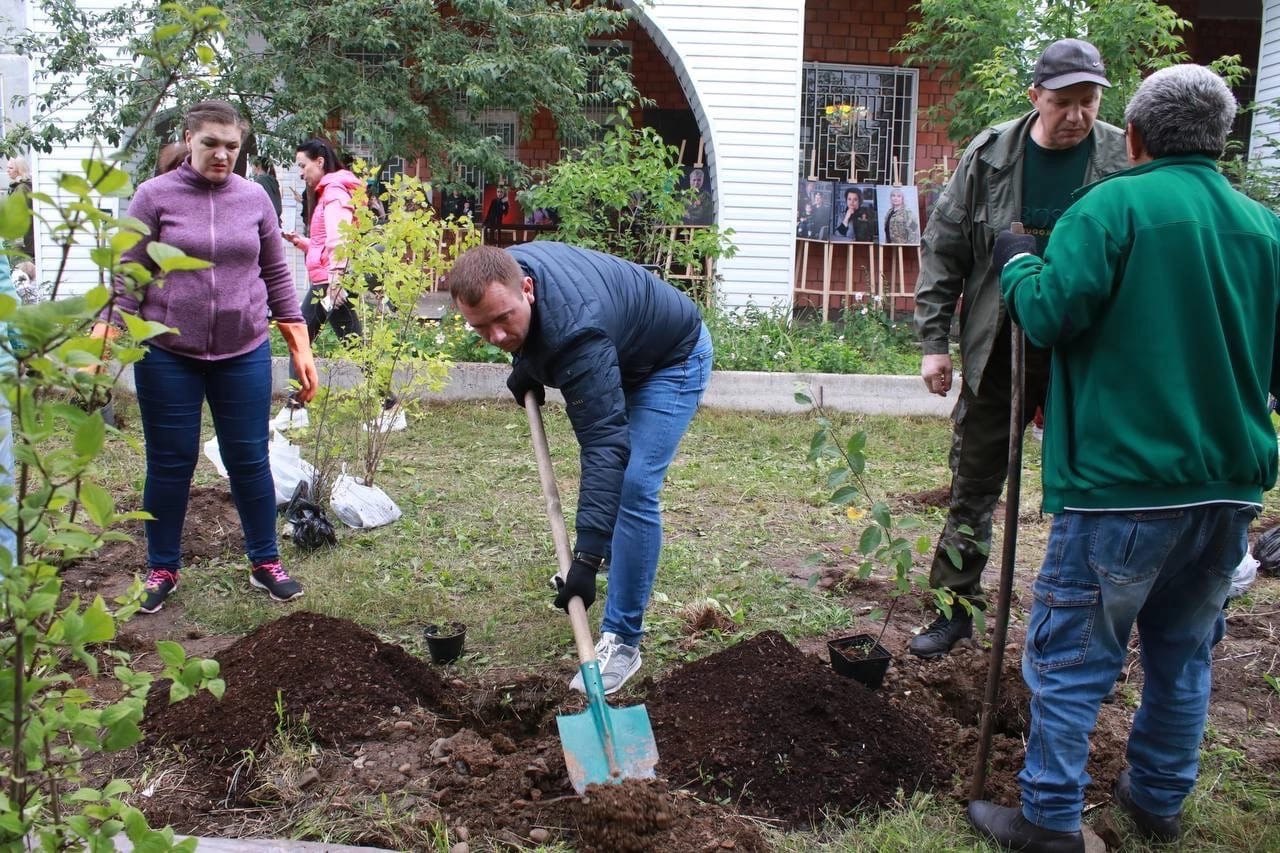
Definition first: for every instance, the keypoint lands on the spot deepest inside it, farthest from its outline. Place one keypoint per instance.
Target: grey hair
(21, 166)
(1183, 109)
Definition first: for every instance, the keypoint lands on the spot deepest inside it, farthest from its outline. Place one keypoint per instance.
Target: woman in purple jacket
(220, 350)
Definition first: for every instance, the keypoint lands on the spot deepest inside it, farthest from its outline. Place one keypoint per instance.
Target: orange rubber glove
(106, 333)
(304, 364)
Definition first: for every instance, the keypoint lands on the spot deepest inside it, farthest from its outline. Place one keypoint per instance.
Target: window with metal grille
(354, 144)
(598, 104)
(504, 125)
(858, 123)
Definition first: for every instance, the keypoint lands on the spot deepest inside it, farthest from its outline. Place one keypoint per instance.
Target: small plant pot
(445, 641)
(860, 657)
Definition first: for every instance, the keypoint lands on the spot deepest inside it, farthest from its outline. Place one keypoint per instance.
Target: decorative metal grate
(354, 145)
(858, 123)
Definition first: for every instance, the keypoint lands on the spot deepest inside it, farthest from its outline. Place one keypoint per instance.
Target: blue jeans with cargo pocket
(1166, 570)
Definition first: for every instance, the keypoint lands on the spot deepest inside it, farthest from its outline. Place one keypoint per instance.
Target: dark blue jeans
(1168, 572)
(171, 392)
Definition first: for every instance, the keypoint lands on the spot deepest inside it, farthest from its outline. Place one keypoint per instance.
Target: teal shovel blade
(606, 745)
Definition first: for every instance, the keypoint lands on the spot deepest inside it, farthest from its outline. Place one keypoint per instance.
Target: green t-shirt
(1049, 177)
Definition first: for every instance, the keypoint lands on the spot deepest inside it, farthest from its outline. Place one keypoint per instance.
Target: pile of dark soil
(329, 674)
(781, 735)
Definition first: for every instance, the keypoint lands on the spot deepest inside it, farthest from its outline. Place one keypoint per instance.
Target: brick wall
(655, 80)
(862, 33)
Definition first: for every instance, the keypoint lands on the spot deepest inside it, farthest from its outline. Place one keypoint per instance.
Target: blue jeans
(8, 539)
(171, 391)
(1167, 570)
(658, 413)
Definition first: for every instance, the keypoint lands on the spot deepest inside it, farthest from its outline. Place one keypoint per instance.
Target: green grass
(742, 507)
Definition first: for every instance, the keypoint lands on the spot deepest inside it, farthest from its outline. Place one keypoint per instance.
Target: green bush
(860, 341)
(753, 338)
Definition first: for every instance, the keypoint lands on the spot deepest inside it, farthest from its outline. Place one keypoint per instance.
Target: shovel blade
(589, 737)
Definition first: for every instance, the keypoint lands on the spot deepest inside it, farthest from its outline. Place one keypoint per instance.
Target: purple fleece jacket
(220, 312)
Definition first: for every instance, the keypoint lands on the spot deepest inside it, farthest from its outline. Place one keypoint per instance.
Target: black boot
(1165, 830)
(936, 640)
(1007, 827)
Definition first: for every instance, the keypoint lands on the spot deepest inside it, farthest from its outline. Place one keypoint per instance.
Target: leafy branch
(885, 540)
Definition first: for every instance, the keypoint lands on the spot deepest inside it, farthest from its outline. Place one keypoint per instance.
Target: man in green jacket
(1158, 293)
(1023, 170)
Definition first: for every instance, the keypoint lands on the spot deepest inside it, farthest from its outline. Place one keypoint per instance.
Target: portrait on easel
(813, 209)
(700, 209)
(854, 217)
(899, 215)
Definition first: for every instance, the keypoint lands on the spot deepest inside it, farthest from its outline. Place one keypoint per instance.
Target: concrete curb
(733, 390)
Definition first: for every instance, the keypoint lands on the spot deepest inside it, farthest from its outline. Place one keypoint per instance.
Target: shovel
(601, 744)
(999, 635)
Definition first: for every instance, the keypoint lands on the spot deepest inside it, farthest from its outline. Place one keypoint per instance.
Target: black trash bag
(1267, 551)
(311, 529)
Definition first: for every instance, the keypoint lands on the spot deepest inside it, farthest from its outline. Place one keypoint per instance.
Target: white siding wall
(81, 273)
(739, 62)
(1268, 72)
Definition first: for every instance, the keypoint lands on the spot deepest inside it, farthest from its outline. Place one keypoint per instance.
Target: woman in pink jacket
(332, 185)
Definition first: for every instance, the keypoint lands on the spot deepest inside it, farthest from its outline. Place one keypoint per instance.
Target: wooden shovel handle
(555, 514)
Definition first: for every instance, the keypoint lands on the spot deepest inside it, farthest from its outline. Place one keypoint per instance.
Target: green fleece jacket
(1159, 293)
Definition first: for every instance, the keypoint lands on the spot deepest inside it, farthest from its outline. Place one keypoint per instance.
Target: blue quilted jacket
(600, 326)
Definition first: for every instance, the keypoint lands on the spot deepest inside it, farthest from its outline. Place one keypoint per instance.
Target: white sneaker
(291, 417)
(391, 420)
(617, 663)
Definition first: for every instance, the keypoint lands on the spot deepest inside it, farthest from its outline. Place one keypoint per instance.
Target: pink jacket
(333, 206)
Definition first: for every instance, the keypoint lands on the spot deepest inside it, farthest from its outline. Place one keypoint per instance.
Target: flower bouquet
(843, 117)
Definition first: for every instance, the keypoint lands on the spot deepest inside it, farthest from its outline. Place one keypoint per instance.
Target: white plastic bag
(1245, 574)
(214, 455)
(288, 468)
(360, 506)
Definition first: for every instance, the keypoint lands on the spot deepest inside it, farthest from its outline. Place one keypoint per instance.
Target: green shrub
(860, 341)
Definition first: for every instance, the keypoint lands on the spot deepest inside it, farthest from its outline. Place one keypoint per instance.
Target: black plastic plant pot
(860, 657)
(445, 641)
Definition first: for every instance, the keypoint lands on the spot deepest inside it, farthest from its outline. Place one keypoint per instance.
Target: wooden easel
(696, 279)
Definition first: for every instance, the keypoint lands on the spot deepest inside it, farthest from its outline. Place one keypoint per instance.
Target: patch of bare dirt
(212, 531)
(761, 731)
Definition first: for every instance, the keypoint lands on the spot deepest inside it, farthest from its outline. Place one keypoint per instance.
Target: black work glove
(581, 582)
(1009, 244)
(520, 383)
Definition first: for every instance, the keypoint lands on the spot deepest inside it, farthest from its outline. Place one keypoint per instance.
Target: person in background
(219, 353)
(332, 184)
(264, 175)
(632, 357)
(25, 284)
(19, 173)
(1023, 170)
(1159, 293)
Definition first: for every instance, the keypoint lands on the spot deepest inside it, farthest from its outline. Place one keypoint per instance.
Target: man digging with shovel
(632, 358)
(1159, 293)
